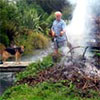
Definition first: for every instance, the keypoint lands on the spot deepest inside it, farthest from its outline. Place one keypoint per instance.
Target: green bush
(4, 39)
(32, 41)
(34, 68)
(39, 41)
(16, 17)
(8, 14)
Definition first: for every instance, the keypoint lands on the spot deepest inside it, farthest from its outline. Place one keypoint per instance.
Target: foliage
(47, 91)
(39, 40)
(33, 16)
(7, 20)
(34, 68)
(32, 41)
(17, 17)
(28, 15)
(4, 39)
(67, 11)
(50, 5)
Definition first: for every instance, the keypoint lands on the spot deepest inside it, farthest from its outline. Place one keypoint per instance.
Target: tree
(7, 21)
(50, 5)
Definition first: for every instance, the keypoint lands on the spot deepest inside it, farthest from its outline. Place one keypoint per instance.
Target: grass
(34, 68)
(47, 91)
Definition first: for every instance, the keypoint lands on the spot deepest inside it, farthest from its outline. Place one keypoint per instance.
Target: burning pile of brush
(82, 72)
(83, 75)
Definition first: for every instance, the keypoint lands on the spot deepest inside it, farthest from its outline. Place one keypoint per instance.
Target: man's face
(58, 17)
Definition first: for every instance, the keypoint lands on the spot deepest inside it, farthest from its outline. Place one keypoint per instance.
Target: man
(58, 31)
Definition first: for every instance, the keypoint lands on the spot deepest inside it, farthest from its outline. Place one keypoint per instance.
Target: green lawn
(48, 91)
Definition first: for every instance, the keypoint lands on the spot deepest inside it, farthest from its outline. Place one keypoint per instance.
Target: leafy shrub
(39, 41)
(15, 17)
(34, 68)
(8, 14)
(32, 41)
(4, 39)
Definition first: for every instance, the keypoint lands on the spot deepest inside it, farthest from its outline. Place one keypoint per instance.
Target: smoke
(77, 26)
(73, 2)
(80, 27)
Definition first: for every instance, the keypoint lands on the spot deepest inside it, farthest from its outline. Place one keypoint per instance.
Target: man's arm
(63, 29)
(52, 30)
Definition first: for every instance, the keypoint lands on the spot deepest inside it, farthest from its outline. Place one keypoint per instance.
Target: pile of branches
(70, 73)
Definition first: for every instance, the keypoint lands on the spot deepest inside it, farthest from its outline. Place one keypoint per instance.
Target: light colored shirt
(57, 27)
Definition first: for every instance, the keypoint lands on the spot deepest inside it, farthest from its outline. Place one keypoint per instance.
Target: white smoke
(78, 31)
(73, 2)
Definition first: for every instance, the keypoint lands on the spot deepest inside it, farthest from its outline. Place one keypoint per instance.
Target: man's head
(58, 15)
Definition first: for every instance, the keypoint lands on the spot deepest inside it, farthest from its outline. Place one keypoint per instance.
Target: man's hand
(61, 33)
(53, 33)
